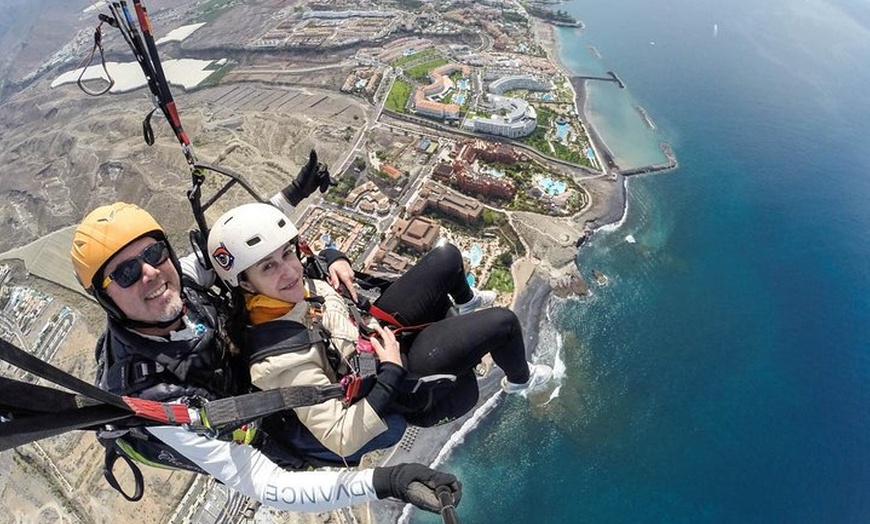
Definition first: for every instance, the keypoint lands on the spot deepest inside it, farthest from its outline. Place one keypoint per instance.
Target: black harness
(200, 366)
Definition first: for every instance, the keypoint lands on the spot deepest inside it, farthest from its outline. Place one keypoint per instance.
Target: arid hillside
(64, 153)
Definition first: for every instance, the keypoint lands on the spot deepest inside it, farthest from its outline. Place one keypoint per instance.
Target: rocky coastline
(548, 269)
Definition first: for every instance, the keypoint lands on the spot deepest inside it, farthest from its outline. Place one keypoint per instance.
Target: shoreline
(533, 287)
(545, 34)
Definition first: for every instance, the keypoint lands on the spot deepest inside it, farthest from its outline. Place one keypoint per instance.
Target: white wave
(549, 349)
(455, 440)
(630, 239)
(553, 395)
(459, 437)
(550, 341)
(616, 225)
(550, 344)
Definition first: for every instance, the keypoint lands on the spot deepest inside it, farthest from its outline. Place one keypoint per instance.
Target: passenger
(254, 250)
(163, 342)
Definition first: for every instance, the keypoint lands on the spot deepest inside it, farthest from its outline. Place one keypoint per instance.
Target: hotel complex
(511, 117)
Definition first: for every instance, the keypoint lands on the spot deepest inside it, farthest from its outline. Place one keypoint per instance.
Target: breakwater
(671, 163)
(646, 118)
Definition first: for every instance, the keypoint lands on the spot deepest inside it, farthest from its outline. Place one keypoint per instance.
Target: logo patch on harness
(223, 257)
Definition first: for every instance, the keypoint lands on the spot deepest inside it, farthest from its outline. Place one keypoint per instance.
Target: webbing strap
(109, 474)
(23, 398)
(233, 411)
(19, 431)
(244, 408)
(38, 412)
(23, 360)
(226, 412)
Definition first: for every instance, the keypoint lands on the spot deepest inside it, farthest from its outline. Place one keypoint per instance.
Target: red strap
(169, 413)
(380, 314)
(305, 248)
(383, 316)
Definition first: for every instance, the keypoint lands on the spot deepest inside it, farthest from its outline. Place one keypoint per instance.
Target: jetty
(671, 163)
(611, 77)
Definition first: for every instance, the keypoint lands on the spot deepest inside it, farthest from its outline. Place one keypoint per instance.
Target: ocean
(723, 374)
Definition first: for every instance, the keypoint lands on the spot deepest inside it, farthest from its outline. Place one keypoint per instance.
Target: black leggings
(456, 344)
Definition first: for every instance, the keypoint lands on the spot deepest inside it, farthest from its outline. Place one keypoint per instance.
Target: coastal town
(443, 121)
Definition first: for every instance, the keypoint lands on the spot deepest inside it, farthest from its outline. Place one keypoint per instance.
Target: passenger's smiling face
(278, 275)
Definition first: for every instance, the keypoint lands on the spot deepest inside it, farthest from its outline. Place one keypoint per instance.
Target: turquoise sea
(723, 374)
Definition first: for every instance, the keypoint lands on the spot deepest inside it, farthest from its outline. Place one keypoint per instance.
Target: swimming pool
(561, 131)
(474, 257)
(552, 187)
(459, 99)
(476, 253)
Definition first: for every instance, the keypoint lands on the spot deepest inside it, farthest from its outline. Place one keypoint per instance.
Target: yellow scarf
(263, 309)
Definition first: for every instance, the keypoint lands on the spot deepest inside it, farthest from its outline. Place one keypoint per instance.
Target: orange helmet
(105, 231)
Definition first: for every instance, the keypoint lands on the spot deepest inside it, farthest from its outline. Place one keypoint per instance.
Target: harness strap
(19, 398)
(112, 456)
(383, 316)
(24, 360)
(19, 431)
(38, 412)
(304, 339)
(86, 62)
(244, 408)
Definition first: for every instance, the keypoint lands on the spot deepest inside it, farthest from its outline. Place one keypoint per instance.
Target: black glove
(312, 176)
(415, 483)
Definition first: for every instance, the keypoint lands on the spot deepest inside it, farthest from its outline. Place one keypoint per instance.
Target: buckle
(351, 384)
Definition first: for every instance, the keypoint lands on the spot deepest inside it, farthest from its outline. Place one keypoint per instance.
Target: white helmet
(244, 235)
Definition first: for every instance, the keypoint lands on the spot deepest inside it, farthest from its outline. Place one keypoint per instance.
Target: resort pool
(552, 187)
(462, 84)
(459, 99)
(561, 131)
(473, 255)
(548, 97)
(476, 253)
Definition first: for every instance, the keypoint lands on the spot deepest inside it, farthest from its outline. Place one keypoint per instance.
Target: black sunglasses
(129, 271)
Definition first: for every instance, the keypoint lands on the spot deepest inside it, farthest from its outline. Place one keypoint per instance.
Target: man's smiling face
(156, 296)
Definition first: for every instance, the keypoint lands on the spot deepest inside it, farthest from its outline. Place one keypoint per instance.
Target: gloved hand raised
(415, 483)
(312, 176)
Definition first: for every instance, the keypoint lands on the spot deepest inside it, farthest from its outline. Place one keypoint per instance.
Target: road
(7, 325)
(286, 71)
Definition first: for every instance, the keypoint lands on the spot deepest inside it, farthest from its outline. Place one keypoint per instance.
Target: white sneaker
(539, 376)
(480, 300)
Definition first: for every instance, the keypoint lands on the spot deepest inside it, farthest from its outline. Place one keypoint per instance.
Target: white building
(505, 84)
(511, 117)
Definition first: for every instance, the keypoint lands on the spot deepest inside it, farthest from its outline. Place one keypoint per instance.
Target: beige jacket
(342, 430)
